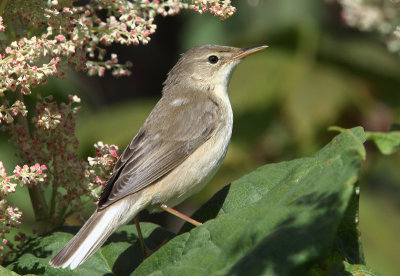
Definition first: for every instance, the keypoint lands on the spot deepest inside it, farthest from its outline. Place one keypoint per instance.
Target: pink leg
(145, 249)
(180, 215)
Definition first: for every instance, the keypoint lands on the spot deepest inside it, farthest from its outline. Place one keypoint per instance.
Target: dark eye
(213, 59)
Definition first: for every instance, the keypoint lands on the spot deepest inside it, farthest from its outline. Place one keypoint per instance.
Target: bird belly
(193, 174)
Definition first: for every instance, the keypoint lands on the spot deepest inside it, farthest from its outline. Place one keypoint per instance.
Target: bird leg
(145, 250)
(180, 215)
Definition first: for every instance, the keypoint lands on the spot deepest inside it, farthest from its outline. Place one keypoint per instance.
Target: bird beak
(248, 51)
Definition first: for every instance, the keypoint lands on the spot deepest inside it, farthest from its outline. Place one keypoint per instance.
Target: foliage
(386, 143)
(315, 74)
(67, 34)
(44, 39)
(297, 216)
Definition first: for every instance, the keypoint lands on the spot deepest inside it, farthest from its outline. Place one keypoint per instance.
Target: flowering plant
(382, 16)
(43, 39)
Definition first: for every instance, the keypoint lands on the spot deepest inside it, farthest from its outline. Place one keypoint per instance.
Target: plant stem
(35, 191)
(53, 202)
(60, 216)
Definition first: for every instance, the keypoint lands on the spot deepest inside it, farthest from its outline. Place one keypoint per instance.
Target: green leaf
(281, 219)
(347, 246)
(335, 266)
(358, 270)
(347, 241)
(5, 272)
(358, 140)
(120, 255)
(387, 142)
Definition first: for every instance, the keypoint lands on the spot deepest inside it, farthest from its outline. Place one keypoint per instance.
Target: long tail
(94, 233)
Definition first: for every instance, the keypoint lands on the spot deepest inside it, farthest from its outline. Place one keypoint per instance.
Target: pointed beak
(248, 51)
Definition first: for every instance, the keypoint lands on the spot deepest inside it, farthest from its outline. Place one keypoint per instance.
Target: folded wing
(166, 139)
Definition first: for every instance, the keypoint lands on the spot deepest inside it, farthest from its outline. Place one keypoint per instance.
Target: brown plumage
(179, 148)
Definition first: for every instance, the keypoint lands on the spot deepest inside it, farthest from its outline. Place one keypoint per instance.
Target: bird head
(207, 66)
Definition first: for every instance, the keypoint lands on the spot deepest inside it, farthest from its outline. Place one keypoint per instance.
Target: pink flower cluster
(53, 142)
(77, 35)
(30, 175)
(6, 185)
(10, 217)
(23, 175)
(2, 27)
(223, 9)
(7, 113)
(42, 39)
(100, 168)
(382, 16)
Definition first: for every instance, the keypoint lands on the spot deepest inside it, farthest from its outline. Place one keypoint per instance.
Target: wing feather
(158, 147)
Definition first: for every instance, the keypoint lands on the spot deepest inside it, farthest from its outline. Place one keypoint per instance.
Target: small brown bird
(176, 152)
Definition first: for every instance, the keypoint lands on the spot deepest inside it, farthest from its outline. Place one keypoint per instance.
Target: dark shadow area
(125, 264)
(158, 236)
(347, 240)
(151, 64)
(35, 248)
(288, 241)
(128, 260)
(132, 257)
(36, 269)
(209, 210)
(121, 236)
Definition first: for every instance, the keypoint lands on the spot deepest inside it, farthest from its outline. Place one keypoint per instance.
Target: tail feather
(93, 234)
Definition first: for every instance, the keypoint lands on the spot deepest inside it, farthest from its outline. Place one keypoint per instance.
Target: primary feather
(158, 147)
(95, 232)
(153, 153)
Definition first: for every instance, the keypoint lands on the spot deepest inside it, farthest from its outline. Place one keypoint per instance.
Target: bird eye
(213, 59)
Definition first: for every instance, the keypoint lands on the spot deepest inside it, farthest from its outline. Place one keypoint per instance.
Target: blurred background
(316, 73)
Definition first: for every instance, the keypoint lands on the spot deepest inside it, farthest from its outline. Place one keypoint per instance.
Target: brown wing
(166, 139)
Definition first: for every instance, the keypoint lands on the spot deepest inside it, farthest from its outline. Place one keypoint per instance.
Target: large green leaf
(347, 250)
(347, 241)
(5, 272)
(120, 255)
(280, 219)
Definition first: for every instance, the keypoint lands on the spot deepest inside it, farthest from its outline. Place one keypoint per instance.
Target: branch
(35, 191)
